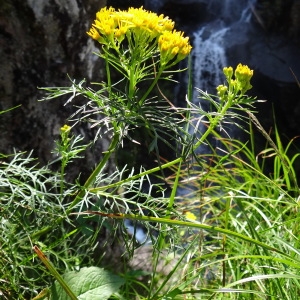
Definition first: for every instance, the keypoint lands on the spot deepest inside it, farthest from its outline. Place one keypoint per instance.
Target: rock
(41, 42)
(274, 57)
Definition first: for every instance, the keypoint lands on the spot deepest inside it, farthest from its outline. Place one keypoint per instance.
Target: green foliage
(224, 228)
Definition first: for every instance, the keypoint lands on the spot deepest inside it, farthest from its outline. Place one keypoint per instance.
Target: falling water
(211, 39)
(208, 59)
(226, 27)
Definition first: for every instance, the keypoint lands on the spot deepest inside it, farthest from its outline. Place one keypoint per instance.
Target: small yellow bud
(221, 90)
(190, 216)
(65, 129)
(228, 71)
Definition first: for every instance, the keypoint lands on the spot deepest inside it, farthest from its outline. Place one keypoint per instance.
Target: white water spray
(208, 59)
(209, 55)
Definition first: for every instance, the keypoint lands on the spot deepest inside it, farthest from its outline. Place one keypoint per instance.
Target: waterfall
(211, 38)
(226, 26)
(208, 59)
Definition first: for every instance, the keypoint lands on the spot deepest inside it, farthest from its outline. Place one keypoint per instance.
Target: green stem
(154, 82)
(156, 169)
(53, 271)
(209, 130)
(193, 224)
(94, 174)
(85, 187)
(174, 190)
(132, 81)
(108, 73)
(215, 121)
(162, 235)
(62, 176)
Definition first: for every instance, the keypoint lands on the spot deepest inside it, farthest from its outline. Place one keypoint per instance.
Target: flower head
(172, 43)
(65, 128)
(103, 27)
(140, 18)
(239, 83)
(64, 133)
(228, 72)
(141, 27)
(243, 75)
(190, 216)
(221, 91)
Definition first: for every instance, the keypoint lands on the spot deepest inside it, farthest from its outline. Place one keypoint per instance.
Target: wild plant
(232, 233)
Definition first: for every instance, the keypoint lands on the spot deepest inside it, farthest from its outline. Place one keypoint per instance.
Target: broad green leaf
(89, 283)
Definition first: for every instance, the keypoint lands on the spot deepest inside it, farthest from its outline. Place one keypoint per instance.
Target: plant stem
(62, 176)
(132, 81)
(108, 73)
(215, 121)
(85, 187)
(53, 271)
(154, 82)
(192, 224)
(97, 170)
(147, 172)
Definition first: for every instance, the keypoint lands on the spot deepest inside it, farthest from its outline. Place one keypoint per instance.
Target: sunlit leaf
(89, 283)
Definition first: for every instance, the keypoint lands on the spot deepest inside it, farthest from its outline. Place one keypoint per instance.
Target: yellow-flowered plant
(143, 29)
(138, 43)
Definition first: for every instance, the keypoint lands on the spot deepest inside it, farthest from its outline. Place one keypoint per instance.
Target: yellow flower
(65, 128)
(243, 76)
(221, 90)
(171, 43)
(120, 33)
(175, 50)
(146, 20)
(190, 216)
(103, 27)
(228, 71)
(240, 83)
(242, 72)
(143, 30)
(94, 34)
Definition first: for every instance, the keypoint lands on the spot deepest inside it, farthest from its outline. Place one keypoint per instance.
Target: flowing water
(211, 38)
(224, 23)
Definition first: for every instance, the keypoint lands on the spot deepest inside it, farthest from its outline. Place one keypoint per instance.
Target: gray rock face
(40, 43)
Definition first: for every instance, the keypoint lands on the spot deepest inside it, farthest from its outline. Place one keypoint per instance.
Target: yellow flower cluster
(104, 26)
(240, 84)
(228, 71)
(111, 27)
(138, 18)
(190, 216)
(171, 43)
(243, 75)
(221, 91)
